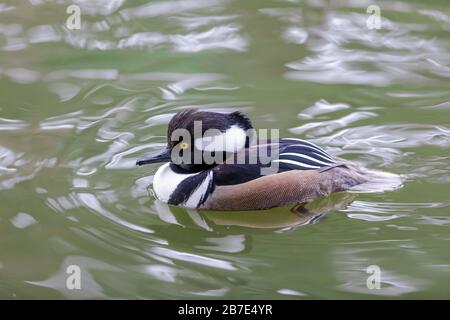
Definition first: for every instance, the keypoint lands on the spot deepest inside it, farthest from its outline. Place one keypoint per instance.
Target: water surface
(78, 107)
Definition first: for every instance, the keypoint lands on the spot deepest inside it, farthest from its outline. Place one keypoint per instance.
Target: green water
(78, 107)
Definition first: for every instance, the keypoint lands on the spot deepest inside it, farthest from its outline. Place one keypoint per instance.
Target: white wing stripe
(305, 142)
(296, 163)
(314, 148)
(305, 157)
(328, 159)
(323, 157)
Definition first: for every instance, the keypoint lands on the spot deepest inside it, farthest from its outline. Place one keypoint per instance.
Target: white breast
(166, 181)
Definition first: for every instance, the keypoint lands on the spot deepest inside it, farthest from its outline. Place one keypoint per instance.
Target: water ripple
(78, 107)
(194, 258)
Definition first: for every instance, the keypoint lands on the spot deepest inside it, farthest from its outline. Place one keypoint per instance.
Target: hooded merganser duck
(303, 172)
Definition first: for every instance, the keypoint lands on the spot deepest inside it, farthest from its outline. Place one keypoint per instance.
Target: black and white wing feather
(293, 154)
(298, 154)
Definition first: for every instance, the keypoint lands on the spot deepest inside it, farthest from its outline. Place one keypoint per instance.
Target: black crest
(209, 120)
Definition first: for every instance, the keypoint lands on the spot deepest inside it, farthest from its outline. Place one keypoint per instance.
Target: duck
(214, 161)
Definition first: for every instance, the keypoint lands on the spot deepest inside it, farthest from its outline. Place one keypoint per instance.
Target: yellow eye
(184, 145)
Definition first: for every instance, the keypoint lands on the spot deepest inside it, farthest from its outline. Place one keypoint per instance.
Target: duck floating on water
(220, 166)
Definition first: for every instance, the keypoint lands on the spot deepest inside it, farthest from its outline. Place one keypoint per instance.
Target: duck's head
(198, 140)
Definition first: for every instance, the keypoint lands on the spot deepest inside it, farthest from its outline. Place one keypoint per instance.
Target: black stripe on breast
(188, 186)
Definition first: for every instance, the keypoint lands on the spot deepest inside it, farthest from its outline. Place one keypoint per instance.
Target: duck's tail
(378, 181)
(350, 177)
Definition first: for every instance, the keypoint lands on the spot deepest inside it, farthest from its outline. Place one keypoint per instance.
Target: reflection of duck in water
(197, 178)
(301, 214)
(284, 218)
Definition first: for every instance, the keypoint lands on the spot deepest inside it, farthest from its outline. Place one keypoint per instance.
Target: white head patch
(232, 140)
